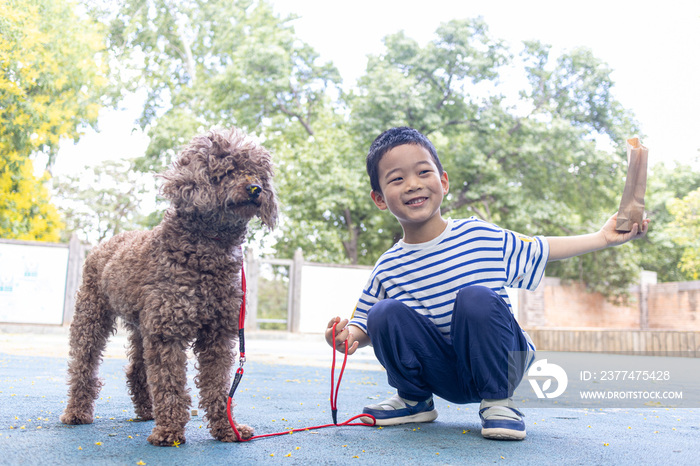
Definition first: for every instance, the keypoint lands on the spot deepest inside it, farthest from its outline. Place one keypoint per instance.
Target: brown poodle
(175, 286)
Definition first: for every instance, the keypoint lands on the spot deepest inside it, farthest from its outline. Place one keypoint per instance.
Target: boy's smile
(412, 190)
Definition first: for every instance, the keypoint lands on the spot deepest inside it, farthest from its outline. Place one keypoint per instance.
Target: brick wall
(674, 305)
(670, 306)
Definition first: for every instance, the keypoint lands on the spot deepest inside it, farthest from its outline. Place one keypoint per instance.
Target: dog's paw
(161, 437)
(245, 431)
(227, 434)
(74, 419)
(143, 417)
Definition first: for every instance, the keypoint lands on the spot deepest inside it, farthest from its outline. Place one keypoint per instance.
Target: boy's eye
(396, 179)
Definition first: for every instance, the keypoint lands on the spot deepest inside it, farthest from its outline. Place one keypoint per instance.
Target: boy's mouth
(418, 200)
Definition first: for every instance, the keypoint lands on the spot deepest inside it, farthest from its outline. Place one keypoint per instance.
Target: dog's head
(223, 178)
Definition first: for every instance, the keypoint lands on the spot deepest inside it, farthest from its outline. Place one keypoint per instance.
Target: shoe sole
(426, 416)
(503, 434)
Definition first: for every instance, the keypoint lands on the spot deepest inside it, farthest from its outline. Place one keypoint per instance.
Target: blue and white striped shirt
(427, 276)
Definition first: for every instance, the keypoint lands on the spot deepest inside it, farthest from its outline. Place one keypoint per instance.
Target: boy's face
(412, 189)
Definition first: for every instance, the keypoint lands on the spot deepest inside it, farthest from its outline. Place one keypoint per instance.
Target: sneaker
(501, 421)
(396, 410)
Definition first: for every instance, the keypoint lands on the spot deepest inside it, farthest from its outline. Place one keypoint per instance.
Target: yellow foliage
(26, 212)
(52, 79)
(52, 75)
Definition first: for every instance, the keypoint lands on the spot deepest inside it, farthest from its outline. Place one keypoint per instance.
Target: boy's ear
(378, 200)
(444, 180)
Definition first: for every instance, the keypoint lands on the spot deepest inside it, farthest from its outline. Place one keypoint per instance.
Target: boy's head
(389, 139)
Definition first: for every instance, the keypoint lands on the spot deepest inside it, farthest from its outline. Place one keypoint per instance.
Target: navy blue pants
(485, 356)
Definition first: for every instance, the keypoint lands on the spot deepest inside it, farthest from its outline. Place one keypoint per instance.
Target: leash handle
(241, 316)
(334, 394)
(241, 355)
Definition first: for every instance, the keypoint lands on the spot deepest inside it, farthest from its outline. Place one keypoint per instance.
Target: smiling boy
(435, 308)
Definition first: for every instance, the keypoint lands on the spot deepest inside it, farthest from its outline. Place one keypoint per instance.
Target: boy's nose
(413, 184)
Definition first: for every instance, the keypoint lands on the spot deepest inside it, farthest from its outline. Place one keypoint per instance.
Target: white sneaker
(396, 411)
(501, 421)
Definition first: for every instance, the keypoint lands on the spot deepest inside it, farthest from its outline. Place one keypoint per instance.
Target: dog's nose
(254, 190)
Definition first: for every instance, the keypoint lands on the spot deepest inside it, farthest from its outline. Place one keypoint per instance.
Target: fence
(659, 317)
(323, 291)
(667, 342)
(38, 281)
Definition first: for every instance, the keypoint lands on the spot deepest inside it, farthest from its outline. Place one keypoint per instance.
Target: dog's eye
(220, 175)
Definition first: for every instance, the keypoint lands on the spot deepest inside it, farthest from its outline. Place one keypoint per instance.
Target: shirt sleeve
(371, 294)
(525, 259)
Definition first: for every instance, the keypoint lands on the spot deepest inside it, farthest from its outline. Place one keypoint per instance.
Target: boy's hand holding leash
(352, 334)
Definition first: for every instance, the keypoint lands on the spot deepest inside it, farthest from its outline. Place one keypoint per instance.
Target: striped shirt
(427, 276)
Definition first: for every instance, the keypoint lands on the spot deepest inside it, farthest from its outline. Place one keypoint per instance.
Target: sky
(653, 48)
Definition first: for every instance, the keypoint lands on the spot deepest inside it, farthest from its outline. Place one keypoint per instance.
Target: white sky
(652, 46)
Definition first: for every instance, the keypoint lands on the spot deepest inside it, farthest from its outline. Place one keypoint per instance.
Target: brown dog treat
(631, 209)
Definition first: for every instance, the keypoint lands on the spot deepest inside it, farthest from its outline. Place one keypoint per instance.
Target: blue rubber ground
(275, 397)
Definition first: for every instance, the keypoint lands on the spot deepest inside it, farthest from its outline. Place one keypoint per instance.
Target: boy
(435, 308)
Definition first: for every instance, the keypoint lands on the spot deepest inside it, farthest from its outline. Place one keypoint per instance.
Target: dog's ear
(179, 183)
(182, 181)
(268, 208)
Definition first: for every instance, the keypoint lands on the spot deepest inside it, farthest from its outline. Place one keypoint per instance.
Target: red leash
(334, 390)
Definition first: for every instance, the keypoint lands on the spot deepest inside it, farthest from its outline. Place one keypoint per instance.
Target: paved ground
(286, 385)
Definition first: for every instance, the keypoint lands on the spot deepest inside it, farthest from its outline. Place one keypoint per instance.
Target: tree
(322, 188)
(662, 252)
(528, 161)
(214, 63)
(223, 63)
(504, 156)
(51, 82)
(103, 200)
(686, 232)
(26, 212)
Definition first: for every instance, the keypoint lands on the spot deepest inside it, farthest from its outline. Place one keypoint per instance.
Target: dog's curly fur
(175, 286)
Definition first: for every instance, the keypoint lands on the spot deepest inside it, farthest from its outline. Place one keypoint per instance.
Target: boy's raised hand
(342, 333)
(614, 237)
(564, 247)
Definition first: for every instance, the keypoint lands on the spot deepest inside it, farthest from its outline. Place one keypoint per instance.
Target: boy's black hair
(389, 139)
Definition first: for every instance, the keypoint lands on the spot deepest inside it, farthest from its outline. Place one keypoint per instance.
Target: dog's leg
(215, 359)
(136, 379)
(92, 324)
(166, 368)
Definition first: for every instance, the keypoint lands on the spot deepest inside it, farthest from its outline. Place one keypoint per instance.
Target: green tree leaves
(528, 158)
(686, 231)
(102, 201)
